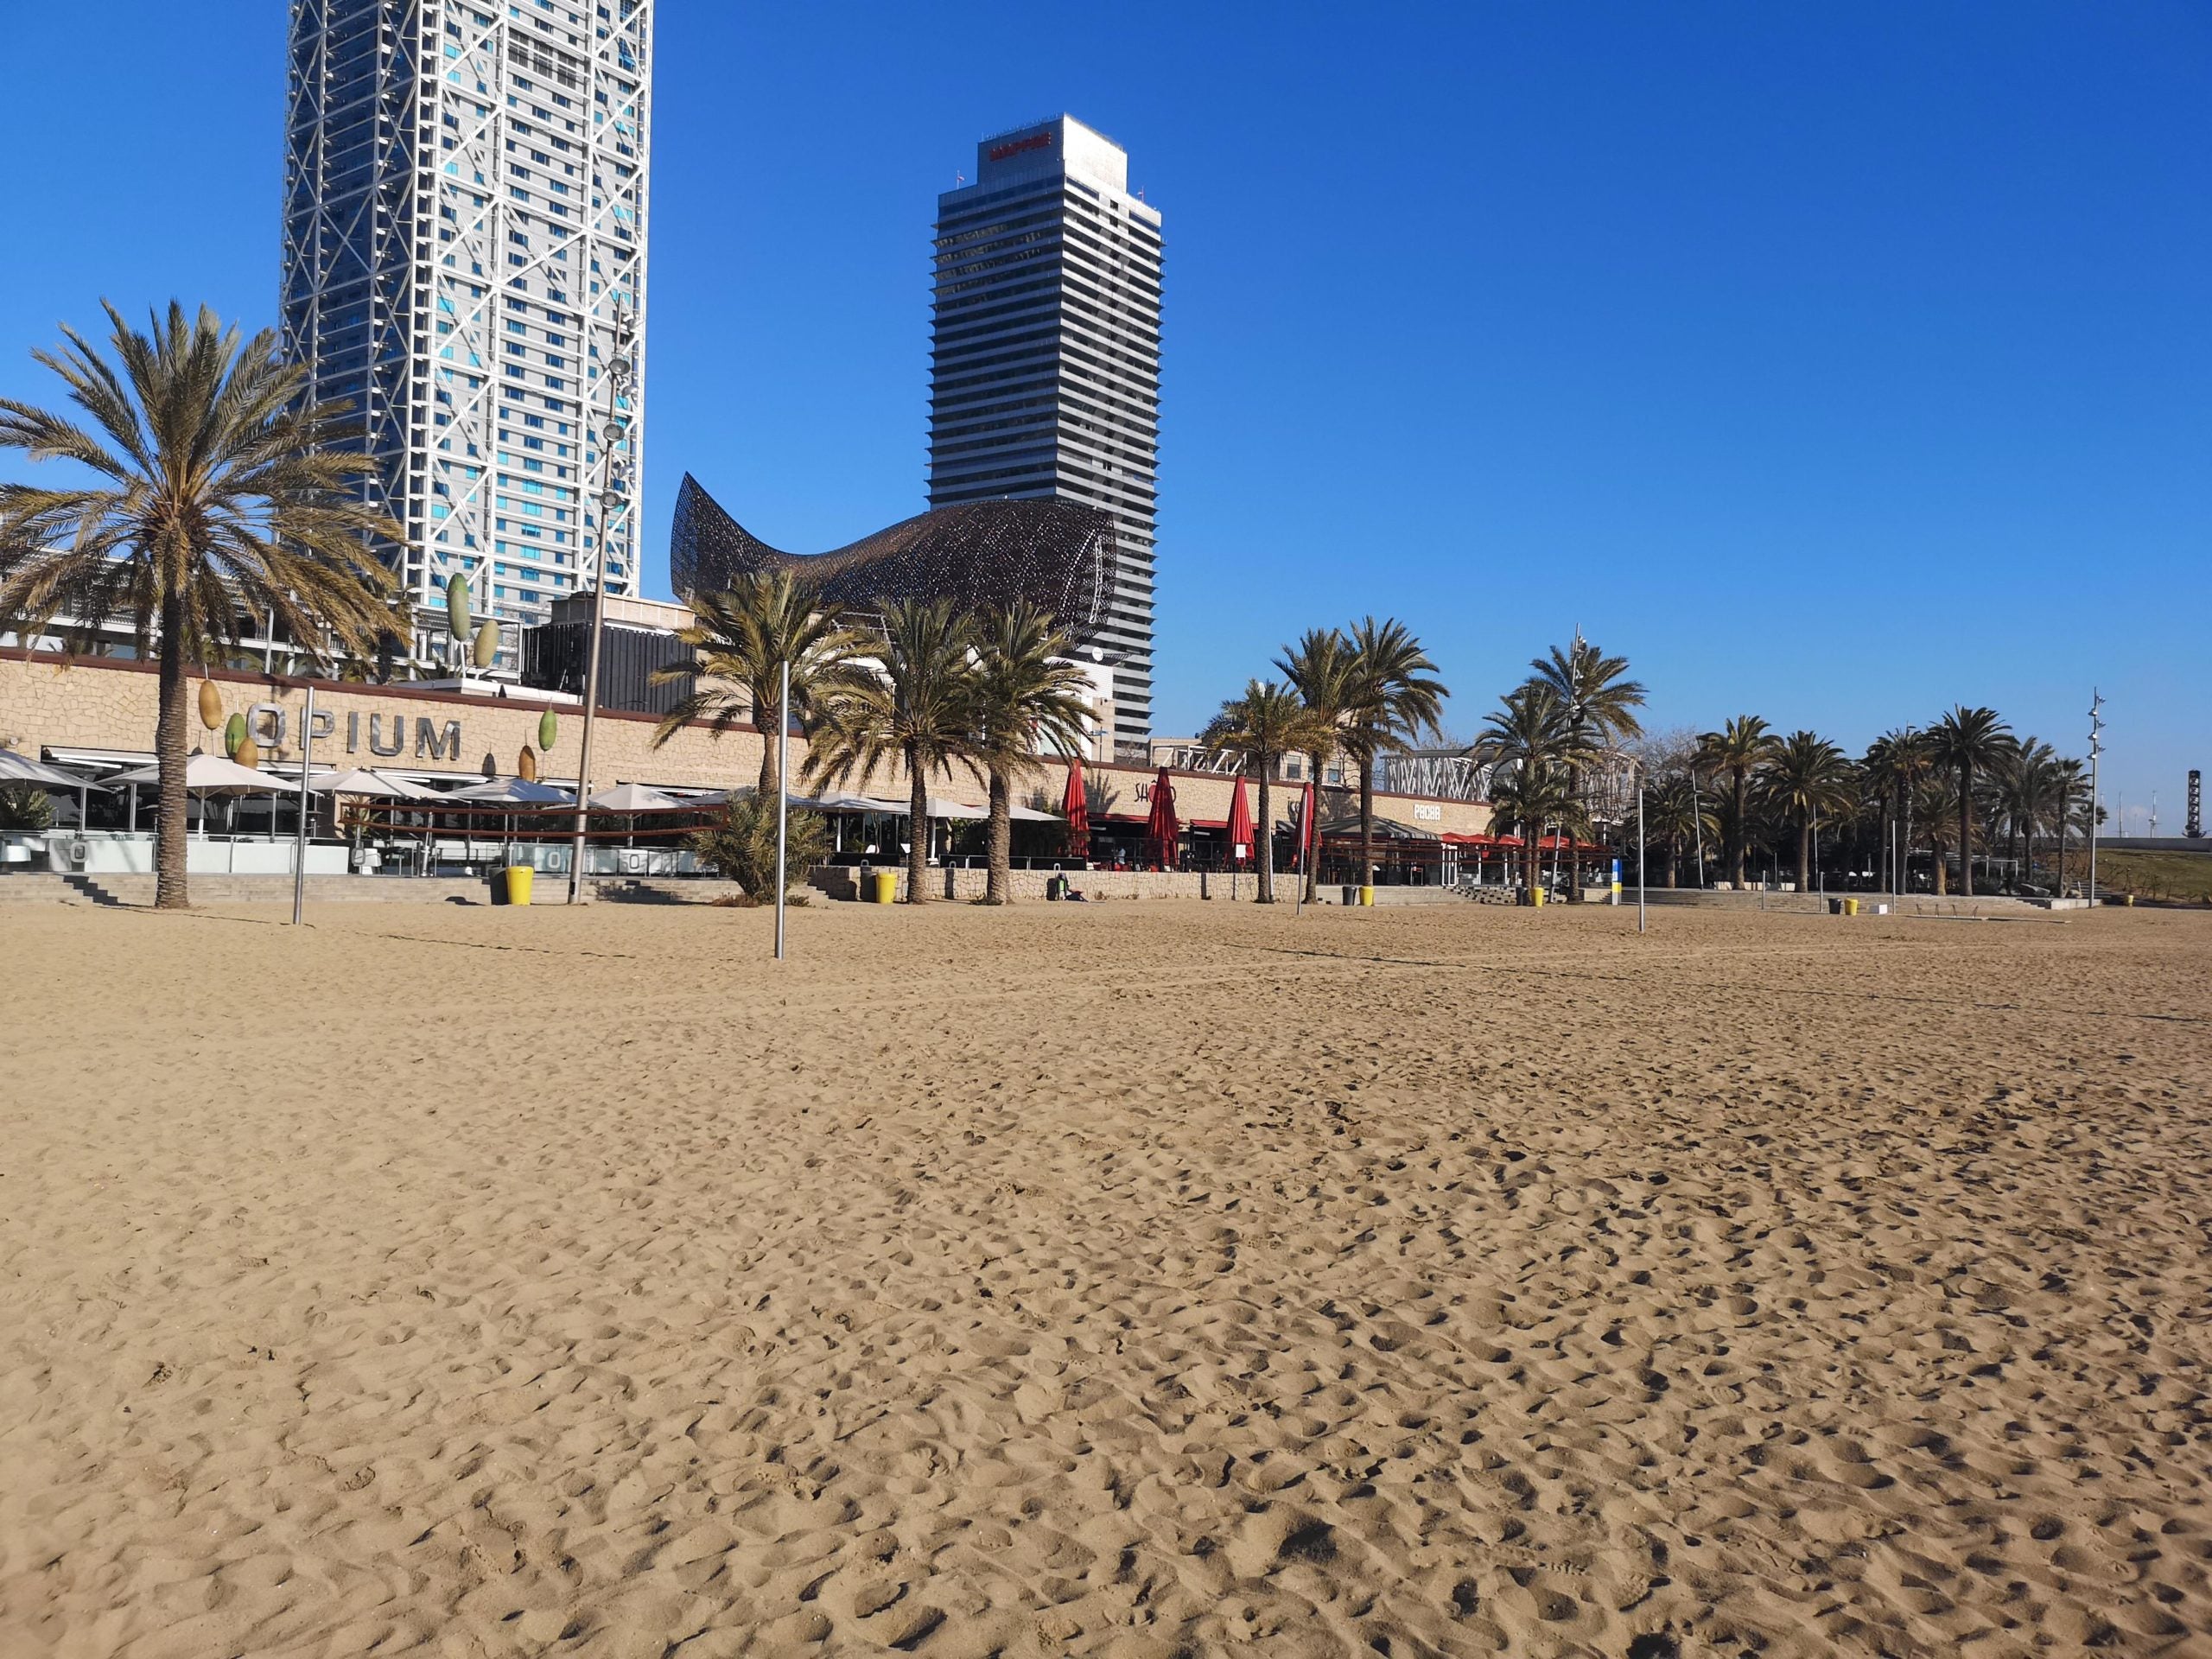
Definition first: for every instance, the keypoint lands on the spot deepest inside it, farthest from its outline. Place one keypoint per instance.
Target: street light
(614, 498)
(2096, 749)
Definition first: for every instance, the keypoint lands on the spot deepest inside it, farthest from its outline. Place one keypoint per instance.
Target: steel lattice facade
(981, 555)
(465, 210)
(1046, 358)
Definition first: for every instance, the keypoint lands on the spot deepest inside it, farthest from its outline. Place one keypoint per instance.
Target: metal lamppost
(1904, 872)
(299, 845)
(1639, 847)
(620, 370)
(2096, 749)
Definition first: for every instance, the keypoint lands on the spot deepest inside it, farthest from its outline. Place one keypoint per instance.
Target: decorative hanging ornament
(233, 734)
(248, 753)
(211, 705)
(457, 606)
(486, 648)
(527, 765)
(549, 729)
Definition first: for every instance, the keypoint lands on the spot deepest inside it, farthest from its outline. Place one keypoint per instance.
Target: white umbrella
(211, 774)
(633, 797)
(21, 769)
(512, 791)
(361, 781)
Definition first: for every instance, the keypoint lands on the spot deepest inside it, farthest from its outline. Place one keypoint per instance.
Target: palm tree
(1538, 795)
(1319, 666)
(1677, 814)
(921, 711)
(1390, 698)
(2024, 790)
(1526, 746)
(1808, 778)
(1028, 696)
(1893, 765)
(221, 499)
(1600, 703)
(1739, 750)
(2070, 795)
(1967, 741)
(740, 640)
(1269, 720)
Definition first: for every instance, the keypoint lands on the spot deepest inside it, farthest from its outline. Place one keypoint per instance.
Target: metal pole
(299, 846)
(783, 795)
(2096, 750)
(1639, 850)
(618, 369)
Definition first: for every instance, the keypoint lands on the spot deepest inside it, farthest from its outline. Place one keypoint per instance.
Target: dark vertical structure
(1044, 378)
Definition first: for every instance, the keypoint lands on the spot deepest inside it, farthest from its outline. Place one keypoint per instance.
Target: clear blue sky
(1835, 364)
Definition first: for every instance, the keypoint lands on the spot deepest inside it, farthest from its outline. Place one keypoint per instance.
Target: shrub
(25, 807)
(741, 843)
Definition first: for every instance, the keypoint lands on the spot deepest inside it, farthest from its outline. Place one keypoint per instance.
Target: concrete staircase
(209, 892)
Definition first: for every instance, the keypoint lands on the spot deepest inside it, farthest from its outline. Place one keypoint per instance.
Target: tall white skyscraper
(464, 217)
(1045, 360)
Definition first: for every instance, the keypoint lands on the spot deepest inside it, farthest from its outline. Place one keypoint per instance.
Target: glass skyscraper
(1045, 379)
(464, 216)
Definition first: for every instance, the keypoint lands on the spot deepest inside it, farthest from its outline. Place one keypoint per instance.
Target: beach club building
(92, 718)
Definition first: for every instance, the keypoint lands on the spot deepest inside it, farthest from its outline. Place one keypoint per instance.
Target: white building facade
(465, 220)
(1044, 376)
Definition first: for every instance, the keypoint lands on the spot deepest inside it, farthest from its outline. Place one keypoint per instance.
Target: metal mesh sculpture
(981, 554)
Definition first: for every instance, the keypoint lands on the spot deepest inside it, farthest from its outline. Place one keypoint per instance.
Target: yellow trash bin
(518, 877)
(1850, 906)
(883, 886)
(1537, 895)
(1367, 896)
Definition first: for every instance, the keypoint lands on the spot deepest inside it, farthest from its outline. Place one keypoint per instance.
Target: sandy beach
(1124, 1279)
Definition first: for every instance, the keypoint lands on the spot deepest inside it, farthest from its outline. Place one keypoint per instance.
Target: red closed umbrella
(1075, 807)
(1162, 828)
(1240, 824)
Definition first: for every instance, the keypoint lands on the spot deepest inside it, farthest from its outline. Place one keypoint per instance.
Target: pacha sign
(267, 723)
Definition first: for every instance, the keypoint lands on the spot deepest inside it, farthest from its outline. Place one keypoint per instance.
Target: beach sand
(1120, 1279)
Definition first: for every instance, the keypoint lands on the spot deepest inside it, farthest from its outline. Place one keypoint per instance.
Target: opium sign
(385, 739)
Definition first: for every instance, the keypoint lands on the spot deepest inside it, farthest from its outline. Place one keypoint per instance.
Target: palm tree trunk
(1966, 831)
(1738, 839)
(168, 752)
(776, 721)
(1310, 843)
(1532, 833)
(2058, 880)
(999, 888)
(1366, 820)
(1573, 847)
(1805, 853)
(1935, 856)
(917, 839)
(1673, 859)
(1264, 833)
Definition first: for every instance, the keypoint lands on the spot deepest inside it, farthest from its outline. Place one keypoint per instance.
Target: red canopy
(1075, 806)
(1162, 826)
(1240, 824)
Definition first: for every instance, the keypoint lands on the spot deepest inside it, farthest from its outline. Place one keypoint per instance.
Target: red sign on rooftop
(1034, 141)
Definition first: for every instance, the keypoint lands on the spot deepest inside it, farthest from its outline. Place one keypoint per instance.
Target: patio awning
(1385, 830)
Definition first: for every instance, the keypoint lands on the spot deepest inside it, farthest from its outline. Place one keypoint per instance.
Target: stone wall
(48, 700)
